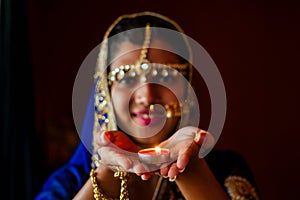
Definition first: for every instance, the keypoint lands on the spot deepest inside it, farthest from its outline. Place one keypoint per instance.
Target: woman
(143, 99)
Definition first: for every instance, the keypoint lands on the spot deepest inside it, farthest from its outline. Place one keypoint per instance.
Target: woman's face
(132, 98)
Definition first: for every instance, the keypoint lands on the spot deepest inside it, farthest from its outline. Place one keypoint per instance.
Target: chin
(146, 142)
(150, 142)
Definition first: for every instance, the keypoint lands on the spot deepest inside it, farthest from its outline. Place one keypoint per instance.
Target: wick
(157, 150)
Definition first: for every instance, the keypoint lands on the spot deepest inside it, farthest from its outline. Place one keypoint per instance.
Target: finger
(164, 143)
(107, 137)
(121, 140)
(111, 136)
(173, 172)
(184, 157)
(164, 170)
(110, 156)
(103, 139)
(140, 169)
(145, 176)
(200, 136)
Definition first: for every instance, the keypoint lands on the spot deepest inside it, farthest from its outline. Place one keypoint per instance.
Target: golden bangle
(98, 193)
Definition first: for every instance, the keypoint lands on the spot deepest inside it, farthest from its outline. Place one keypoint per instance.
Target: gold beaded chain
(124, 194)
(98, 192)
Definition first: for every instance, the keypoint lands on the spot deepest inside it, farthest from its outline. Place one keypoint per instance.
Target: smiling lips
(147, 117)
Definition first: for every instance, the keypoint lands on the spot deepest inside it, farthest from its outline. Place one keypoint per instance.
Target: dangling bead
(143, 79)
(145, 66)
(120, 74)
(154, 72)
(164, 73)
(132, 74)
(174, 72)
(127, 67)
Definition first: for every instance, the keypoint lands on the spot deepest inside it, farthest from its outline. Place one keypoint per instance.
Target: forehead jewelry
(143, 56)
(144, 67)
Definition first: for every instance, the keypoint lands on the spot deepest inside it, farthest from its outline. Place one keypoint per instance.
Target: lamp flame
(157, 150)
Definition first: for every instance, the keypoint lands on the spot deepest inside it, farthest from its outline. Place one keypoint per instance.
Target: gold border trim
(240, 188)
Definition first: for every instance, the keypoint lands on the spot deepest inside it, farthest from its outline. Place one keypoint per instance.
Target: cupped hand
(118, 152)
(183, 148)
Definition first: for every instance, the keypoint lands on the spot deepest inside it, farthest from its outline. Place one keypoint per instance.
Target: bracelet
(124, 194)
(98, 192)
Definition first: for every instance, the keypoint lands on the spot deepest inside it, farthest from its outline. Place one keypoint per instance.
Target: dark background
(255, 45)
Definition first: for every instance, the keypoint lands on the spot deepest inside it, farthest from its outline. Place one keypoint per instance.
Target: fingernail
(143, 178)
(182, 170)
(165, 176)
(172, 179)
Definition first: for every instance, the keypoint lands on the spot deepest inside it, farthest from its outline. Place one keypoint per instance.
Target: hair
(137, 38)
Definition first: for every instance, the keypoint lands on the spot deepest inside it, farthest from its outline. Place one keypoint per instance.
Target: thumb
(121, 140)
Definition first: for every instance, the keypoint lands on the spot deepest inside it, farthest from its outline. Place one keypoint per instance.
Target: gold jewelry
(98, 192)
(154, 69)
(145, 47)
(102, 56)
(124, 194)
(104, 114)
(173, 109)
(239, 188)
(143, 67)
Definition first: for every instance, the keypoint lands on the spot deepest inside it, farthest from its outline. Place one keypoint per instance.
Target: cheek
(120, 99)
(175, 92)
(181, 90)
(117, 98)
